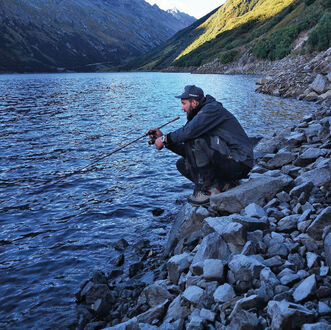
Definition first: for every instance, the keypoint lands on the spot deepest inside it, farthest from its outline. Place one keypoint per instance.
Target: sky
(196, 8)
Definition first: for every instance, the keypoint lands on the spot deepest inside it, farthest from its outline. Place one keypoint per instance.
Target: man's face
(189, 105)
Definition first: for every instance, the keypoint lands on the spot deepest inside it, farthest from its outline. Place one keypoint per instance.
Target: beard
(192, 112)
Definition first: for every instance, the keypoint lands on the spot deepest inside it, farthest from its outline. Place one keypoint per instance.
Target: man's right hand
(154, 133)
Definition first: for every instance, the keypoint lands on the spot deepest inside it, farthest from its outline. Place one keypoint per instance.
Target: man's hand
(158, 143)
(154, 133)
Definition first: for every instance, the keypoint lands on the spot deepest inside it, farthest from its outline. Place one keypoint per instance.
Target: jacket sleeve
(206, 119)
(177, 148)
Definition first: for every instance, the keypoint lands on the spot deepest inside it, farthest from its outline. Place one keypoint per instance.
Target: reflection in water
(53, 235)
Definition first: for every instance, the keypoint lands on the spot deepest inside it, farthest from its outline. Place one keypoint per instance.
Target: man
(214, 147)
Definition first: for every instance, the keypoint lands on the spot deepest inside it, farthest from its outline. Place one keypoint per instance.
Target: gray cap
(191, 92)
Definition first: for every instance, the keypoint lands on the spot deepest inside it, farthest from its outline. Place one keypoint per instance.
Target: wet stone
(135, 268)
(120, 245)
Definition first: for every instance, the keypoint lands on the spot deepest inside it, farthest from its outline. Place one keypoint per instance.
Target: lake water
(52, 236)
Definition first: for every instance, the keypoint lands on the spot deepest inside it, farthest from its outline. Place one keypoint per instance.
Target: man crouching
(214, 147)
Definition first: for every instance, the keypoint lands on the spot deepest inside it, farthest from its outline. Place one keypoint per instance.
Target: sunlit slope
(244, 26)
(233, 14)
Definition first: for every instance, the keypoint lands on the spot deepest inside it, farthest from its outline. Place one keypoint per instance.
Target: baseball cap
(191, 92)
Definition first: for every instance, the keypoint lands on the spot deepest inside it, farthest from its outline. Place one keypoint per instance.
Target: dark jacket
(220, 127)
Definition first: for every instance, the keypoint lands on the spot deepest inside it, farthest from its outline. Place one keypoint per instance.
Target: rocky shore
(258, 258)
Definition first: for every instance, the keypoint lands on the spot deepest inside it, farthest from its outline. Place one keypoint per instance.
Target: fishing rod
(106, 155)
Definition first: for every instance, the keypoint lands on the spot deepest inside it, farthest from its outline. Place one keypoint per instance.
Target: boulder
(286, 315)
(280, 159)
(250, 224)
(320, 84)
(212, 246)
(193, 294)
(213, 269)
(224, 293)
(255, 211)
(176, 265)
(156, 295)
(305, 187)
(288, 224)
(315, 230)
(177, 309)
(257, 191)
(188, 220)
(155, 313)
(305, 289)
(309, 156)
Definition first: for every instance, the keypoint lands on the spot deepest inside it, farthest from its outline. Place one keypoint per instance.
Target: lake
(53, 235)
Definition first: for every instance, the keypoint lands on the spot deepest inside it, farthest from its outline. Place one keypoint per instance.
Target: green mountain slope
(267, 28)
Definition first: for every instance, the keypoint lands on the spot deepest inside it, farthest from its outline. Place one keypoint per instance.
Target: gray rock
(131, 324)
(311, 259)
(288, 224)
(305, 187)
(312, 96)
(289, 279)
(232, 232)
(253, 301)
(256, 211)
(268, 276)
(196, 323)
(320, 84)
(176, 265)
(177, 309)
(277, 249)
(207, 315)
(323, 308)
(155, 313)
(156, 295)
(197, 268)
(224, 293)
(245, 268)
(188, 220)
(318, 176)
(248, 249)
(250, 224)
(305, 289)
(243, 320)
(280, 159)
(309, 156)
(295, 139)
(273, 261)
(212, 247)
(315, 230)
(316, 326)
(121, 244)
(193, 294)
(254, 191)
(286, 315)
(213, 269)
(327, 248)
(92, 291)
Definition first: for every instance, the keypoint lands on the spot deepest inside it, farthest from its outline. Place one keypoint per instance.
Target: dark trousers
(206, 167)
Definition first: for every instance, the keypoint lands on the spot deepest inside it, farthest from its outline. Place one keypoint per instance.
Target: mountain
(79, 35)
(182, 17)
(266, 28)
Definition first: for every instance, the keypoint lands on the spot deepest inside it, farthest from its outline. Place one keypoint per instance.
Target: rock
(245, 268)
(316, 326)
(157, 212)
(325, 96)
(323, 308)
(197, 268)
(277, 249)
(280, 159)
(243, 320)
(315, 230)
(207, 315)
(212, 247)
(250, 224)
(177, 310)
(305, 187)
(156, 295)
(188, 220)
(92, 291)
(224, 293)
(101, 307)
(254, 191)
(176, 265)
(193, 294)
(268, 276)
(312, 96)
(319, 176)
(295, 139)
(155, 313)
(196, 322)
(255, 211)
(232, 232)
(120, 245)
(311, 259)
(286, 315)
(309, 156)
(135, 268)
(289, 279)
(327, 248)
(319, 85)
(131, 324)
(213, 269)
(305, 289)
(288, 224)
(253, 301)
(118, 261)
